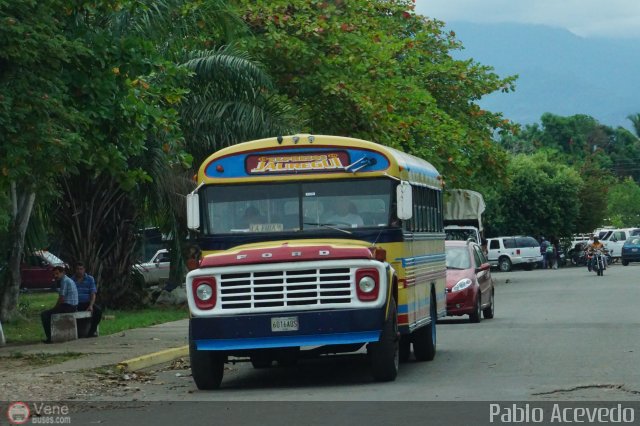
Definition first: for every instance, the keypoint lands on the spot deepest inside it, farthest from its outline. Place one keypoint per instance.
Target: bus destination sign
(315, 162)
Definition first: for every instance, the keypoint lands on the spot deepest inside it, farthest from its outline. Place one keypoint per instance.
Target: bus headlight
(367, 284)
(204, 292)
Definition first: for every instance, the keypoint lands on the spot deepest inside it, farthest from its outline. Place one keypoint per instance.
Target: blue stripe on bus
(287, 341)
(420, 260)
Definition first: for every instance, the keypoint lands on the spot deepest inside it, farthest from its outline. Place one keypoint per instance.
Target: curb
(155, 358)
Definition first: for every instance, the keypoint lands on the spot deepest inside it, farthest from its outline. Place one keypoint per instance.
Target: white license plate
(285, 324)
(634, 249)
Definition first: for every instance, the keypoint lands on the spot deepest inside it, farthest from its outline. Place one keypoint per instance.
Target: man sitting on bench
(67, 300)
(87, 291)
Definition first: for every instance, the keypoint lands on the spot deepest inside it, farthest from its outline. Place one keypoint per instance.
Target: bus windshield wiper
(330, 226)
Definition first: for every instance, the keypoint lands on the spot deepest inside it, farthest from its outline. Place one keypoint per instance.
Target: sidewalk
(109, 350)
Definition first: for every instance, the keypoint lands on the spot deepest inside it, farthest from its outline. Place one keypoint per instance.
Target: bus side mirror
(404, 201)
(193, 211)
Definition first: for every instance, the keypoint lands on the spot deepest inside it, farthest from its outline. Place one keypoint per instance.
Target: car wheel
(625, 262)
(505, 264)
(385, 353)
(489, 311)
(425, 338)
(476, 316)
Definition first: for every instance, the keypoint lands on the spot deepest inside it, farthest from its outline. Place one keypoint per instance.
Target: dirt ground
(21, 380)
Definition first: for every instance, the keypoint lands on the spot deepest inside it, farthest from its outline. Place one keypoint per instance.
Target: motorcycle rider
(591, 248)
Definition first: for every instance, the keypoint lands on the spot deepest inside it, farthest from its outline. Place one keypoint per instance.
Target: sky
(585, 18)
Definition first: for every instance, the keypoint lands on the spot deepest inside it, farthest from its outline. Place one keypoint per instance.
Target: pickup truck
(156, 270)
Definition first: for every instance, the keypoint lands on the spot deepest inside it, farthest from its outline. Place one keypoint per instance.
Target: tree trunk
(21, 208)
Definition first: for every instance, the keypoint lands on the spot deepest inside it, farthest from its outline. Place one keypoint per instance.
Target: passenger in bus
(345, 213)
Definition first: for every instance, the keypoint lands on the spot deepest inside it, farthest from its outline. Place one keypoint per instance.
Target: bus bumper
(315, 328)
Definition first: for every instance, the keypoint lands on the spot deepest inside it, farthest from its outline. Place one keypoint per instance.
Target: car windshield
(458, 258)
(634, 241)
(298, 206)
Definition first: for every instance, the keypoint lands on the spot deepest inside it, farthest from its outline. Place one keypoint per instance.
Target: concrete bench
(70, 326)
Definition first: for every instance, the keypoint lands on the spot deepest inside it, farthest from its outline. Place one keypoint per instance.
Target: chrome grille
(285, 288)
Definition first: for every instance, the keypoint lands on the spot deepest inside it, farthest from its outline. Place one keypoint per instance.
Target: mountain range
(559, 72)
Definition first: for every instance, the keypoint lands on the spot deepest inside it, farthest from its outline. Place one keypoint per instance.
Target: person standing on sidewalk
(544, 245)
(67, 300)
(87, 291)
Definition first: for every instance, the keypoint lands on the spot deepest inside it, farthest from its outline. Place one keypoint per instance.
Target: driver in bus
(345, 213)
(252, 216)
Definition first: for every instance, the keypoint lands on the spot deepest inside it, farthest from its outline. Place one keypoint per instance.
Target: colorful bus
(314, 245)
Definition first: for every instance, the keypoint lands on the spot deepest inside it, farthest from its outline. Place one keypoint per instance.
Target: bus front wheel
(385, 354)
(207, 368)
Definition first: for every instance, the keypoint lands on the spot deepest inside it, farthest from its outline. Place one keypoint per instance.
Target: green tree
(38, 137)
(377, 71)
(541, 198)
(593, 197)
(635, 121)
(624, 204)
(154, 75)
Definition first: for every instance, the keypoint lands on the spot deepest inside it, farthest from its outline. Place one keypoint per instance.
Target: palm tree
(228, 99)
(635, 120)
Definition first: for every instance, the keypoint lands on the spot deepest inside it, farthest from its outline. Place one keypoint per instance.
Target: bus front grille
(286, 288)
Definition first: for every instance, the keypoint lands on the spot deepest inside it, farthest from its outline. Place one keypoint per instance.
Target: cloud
(588, 18)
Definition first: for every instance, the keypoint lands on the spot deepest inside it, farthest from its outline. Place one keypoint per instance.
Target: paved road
(558, 335)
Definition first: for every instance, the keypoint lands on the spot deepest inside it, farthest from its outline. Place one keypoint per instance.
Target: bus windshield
(297, 206)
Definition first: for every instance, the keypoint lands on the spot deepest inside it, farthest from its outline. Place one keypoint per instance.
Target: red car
(470, 289)
(36, 270)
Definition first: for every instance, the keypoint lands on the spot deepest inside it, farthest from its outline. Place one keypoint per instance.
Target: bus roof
(302, 157)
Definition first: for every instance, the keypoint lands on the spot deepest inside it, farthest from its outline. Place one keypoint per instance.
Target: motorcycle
(598, 262)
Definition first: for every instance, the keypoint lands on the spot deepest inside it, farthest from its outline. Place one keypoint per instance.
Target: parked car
(614, 240)
(36, 270)
(156, 270)
(470, 287)
(631, 250)
(507, 252)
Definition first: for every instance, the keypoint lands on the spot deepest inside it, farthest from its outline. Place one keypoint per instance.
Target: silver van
(506, 252)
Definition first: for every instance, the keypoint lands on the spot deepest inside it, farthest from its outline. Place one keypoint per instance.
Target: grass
(28, 329)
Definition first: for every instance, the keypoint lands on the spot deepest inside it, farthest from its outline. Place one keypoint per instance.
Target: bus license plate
(284, 324)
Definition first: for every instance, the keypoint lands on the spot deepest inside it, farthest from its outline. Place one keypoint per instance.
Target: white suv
(505, 252)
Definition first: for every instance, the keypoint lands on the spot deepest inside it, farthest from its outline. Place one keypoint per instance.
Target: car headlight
(462, 284)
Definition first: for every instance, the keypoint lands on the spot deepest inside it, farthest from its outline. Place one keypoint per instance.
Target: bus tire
(425, 338)
(384, 354)
(405, 348)
(207, 368)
